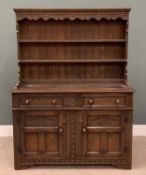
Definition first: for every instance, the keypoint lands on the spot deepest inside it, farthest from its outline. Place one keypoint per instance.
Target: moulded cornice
(84, 14)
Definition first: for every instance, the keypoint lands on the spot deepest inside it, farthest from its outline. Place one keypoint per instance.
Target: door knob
(84, 130)
(27, 102)
(60, 130)
(117, 101)
(90, 101)
(54, 101)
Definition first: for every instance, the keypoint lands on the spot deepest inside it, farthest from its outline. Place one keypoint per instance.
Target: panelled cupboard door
(42, 134)
(103, 134)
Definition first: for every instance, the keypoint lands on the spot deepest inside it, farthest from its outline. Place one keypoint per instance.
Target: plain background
(136, 53)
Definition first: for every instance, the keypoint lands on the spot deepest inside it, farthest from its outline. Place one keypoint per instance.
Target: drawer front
(40, 101)
(104, 101)
(73, 100)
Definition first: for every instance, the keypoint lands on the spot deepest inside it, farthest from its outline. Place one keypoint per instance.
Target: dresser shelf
(73, 61)
(74, 41)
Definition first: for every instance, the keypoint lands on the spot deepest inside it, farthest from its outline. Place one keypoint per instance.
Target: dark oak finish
(72, 104)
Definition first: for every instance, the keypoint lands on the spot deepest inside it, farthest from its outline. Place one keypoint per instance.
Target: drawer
(40, 101)
(104, 101)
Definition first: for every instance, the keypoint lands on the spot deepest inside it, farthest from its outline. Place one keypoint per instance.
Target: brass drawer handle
(90, 101)
(27, 102)
(117, 101)
(54, 101)
(60, 130)
(84, 129)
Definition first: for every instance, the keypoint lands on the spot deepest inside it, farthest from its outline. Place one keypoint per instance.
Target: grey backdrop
(137, 47)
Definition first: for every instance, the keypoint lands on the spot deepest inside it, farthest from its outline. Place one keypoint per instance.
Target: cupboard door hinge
(19, 149)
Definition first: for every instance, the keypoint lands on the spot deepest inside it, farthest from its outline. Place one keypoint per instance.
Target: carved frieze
(77, 14)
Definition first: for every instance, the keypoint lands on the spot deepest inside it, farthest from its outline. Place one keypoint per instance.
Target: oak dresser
(72, 104)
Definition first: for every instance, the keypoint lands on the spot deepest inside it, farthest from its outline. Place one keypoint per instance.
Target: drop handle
(117, 101)
(60, 130)
(27, 102)
(90, 101)
(84, 130)
(54, 101)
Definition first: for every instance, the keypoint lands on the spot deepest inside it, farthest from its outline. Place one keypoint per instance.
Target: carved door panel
(42, 134)
(103, 134)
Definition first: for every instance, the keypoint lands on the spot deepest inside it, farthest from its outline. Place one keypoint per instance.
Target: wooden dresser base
(72, 129)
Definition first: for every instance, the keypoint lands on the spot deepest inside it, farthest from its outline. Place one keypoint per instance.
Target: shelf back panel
(72, 71)
(66, 29)
(71, 51)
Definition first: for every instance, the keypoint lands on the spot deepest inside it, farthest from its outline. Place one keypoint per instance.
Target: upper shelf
(73, 41)
(75, 61)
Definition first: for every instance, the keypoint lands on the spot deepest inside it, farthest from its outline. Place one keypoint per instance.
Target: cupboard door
(103, 134)
(42, 134)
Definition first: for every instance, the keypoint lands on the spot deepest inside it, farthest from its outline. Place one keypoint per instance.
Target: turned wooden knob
(117, 101)
(84, 130)
(60, 130)
(90, 101)
(53, 101)
(27, 102)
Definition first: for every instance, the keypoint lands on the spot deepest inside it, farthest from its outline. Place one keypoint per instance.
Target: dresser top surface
(73, 88)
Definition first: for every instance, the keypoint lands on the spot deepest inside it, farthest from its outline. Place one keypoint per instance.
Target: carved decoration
(126, 54)
(72, 134)
(18, 71)
(104, 121)
(41, 120)
(80, 161)
(72, 17)
(17, 85)
(19, 79)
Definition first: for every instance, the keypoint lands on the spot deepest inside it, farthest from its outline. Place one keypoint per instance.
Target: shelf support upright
(18, 53)
(126, 52)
